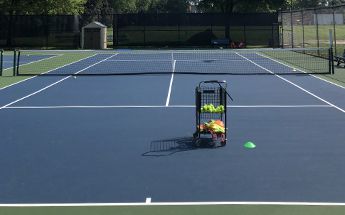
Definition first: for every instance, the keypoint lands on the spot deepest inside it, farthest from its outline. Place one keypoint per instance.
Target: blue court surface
(126, 139)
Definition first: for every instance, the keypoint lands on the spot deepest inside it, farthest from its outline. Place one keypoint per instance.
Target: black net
(235, 62)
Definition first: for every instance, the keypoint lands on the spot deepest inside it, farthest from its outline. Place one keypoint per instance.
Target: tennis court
(8, 58)
(127, 138)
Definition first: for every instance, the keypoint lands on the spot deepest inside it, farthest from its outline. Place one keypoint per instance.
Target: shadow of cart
(167, 147)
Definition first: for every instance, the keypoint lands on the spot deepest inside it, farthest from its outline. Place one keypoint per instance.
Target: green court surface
(6, 81)
(59, 60)
(52, 60)
(337, 78)
(182, 210)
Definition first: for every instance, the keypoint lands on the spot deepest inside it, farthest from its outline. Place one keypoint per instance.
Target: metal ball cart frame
(210, 92)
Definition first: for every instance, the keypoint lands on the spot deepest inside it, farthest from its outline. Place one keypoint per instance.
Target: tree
(123, 6)
(135, 6)
(46, 7)
(232, 6)
(97, 10)
(11, 8)
(176, 6)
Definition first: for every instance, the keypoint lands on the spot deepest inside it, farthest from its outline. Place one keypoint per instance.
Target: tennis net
(135, 62)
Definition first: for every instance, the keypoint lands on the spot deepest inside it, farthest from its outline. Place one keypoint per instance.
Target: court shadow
(172, 146)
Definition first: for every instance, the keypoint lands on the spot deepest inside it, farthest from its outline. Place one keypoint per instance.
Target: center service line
(171, 80)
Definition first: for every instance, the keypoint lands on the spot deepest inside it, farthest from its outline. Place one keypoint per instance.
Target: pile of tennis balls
(210, 108)
(213, 126)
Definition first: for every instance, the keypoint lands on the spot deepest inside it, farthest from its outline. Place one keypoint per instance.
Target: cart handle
(213, 81)
(220, 85)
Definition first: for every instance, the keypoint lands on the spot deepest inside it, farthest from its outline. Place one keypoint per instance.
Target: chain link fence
(48, 31)
(141, 30)
(195, 29)
(311, 28)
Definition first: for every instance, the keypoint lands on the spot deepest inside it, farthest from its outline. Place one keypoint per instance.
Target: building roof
(95, 25)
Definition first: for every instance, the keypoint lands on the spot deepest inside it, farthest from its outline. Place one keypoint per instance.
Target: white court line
(174, 204)
(263, 55)
(290, 82)
(171, 79)
(46, 72)
(38, 91)
(119, 60)
(166, 60)
(31, 62)
(160, 106)
(35, 61)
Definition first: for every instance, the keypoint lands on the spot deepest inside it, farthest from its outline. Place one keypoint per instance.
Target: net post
(17, 69)
(1, 61)
(330, 61)
(330, 51)
(14, 61)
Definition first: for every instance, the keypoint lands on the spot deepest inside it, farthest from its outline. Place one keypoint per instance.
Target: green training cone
(249, 145)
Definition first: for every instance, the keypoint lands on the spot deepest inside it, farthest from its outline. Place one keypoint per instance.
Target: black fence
(195, 29)
(40, 31)
(172, 30)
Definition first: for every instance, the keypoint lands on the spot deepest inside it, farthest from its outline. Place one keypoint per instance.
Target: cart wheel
(212, 143)
(223, 143)
(196, 142)
(195, 135)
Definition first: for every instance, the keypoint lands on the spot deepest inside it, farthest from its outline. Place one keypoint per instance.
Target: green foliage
(52, 7)
(176, 6)
(49, 7)
(135, 6)
(232, 6)
(124, 6)
(97, 10)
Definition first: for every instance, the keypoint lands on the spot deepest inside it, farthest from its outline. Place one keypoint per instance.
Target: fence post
(46, 30)
(282, 28)
(1, 61)
(291, 23)
(245, 33)
(179, 30)
(334, 32)
(317, 29)
(115, 31)
(272, 35)
(144, 19)
(302, 17)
